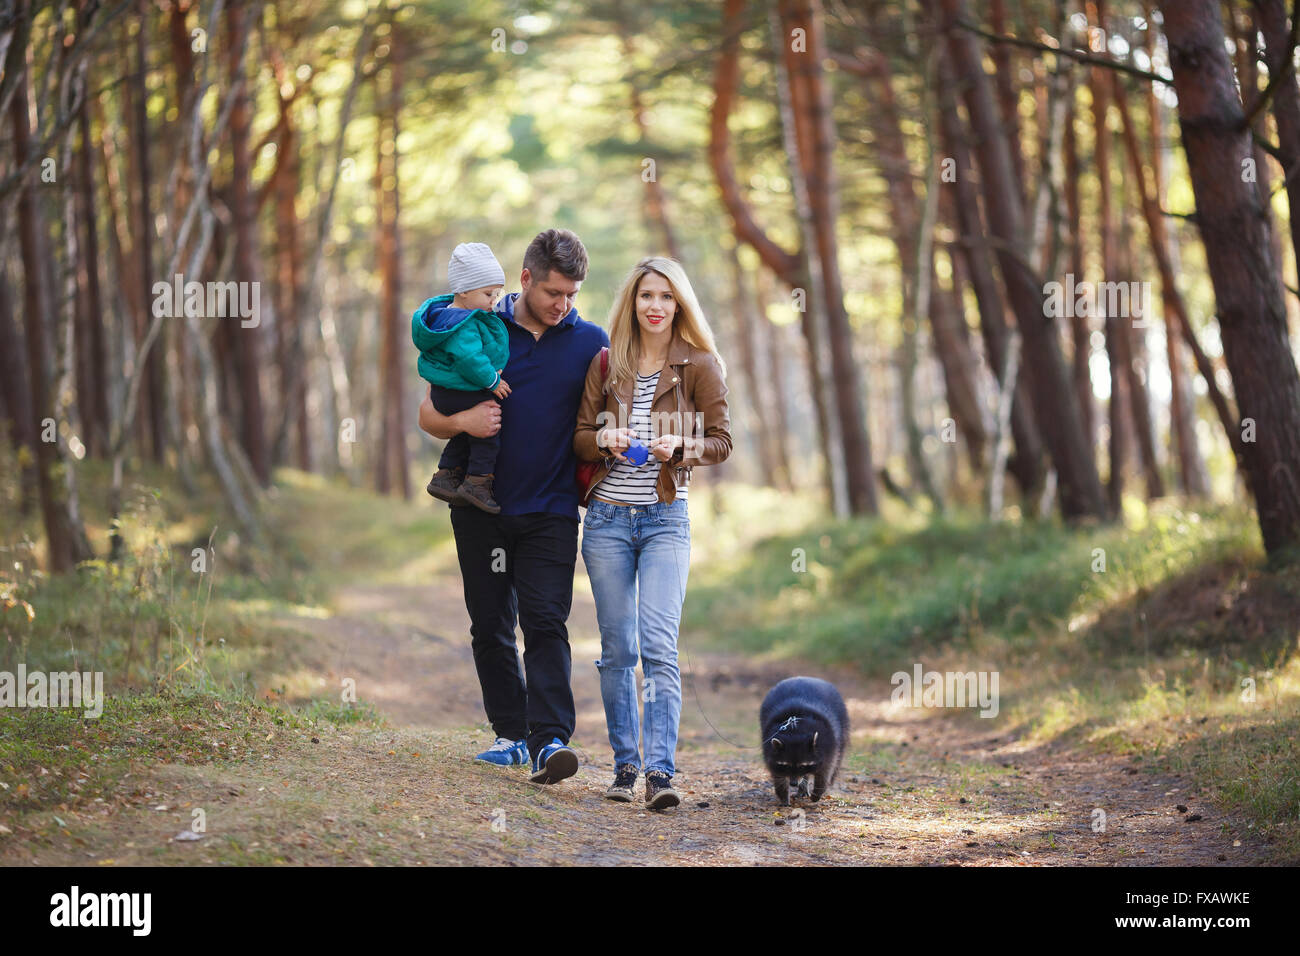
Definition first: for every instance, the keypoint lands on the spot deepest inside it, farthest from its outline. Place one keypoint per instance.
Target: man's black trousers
(520, 567)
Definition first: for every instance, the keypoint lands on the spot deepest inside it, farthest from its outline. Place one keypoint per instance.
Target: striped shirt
(636, 484)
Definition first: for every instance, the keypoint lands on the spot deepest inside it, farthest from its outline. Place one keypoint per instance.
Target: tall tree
(1115, 327)
(139, 94)
(790, 267)
(1027, 463)
(65, 537)
(1054, 398)
(1248, 291)
(94, 404)
(391, 472)
(1279, 43)
(247, 339)
(804, 51)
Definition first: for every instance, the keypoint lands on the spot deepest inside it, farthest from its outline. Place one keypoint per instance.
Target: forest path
(917, 788)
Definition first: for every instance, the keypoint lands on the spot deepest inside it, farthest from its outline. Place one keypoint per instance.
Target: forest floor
(918, 787)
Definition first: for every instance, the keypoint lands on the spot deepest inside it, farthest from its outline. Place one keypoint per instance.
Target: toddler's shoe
(444, 483)
(476, 490)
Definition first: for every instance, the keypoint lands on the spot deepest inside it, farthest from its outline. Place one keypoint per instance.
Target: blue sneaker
(505, 753)
(554, 762)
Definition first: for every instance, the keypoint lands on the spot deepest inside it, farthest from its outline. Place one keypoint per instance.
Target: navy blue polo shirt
(536, 464)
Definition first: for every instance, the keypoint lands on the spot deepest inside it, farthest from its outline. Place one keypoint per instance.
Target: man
(520, 563)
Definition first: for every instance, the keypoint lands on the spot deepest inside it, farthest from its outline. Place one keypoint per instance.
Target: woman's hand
(616, 440)
(664, 446)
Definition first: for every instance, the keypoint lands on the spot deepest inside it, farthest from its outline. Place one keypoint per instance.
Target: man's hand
(481, 421)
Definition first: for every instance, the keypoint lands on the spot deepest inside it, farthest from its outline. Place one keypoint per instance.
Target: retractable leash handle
(637, 453)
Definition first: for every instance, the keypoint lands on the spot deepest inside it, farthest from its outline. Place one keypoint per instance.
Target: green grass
(867, 593)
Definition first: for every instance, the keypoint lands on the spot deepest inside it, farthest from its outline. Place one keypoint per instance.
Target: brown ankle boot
(444, 483)
(477, 491)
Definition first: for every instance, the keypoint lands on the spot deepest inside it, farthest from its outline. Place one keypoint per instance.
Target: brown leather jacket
(691, 384)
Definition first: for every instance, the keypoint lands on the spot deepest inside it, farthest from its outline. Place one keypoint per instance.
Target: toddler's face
(485, 298)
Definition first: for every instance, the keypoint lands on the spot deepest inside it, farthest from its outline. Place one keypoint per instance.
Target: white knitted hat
(472, 267)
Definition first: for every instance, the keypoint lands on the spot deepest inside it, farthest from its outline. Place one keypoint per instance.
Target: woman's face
(656, 306)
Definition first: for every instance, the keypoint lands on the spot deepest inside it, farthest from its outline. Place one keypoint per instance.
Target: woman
(664, 388)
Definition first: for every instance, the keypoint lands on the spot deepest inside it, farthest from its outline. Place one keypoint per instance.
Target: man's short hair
(557, 249)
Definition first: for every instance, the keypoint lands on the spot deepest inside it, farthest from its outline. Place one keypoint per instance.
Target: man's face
(549, 297)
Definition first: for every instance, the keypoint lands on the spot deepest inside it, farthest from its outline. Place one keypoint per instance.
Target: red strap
(604, 363)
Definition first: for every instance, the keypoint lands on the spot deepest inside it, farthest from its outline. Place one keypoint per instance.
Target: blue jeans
(638, 558)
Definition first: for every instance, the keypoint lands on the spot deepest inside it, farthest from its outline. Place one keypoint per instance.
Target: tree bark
(94, 406)
(953, 351)
(1193, 479)
(1271, 16)
(153, 383)
(811, 96)
(1114, 327)
(391, 472)
(1026, 465)
(1080, 325)
(1252, 315)
(17, 397)
(1008, 96)
(789, 268)
(65, 538)
(1079, 487)
(771, 336)
(1245, 42)
(252, 425)
(758, 391)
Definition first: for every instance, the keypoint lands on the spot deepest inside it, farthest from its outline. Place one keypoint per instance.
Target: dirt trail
(916, 789)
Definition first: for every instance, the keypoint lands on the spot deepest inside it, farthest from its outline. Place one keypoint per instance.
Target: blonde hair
(625, 332)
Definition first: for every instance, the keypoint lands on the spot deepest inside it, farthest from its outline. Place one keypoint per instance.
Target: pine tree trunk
(1176, 316)
(1026, 465)
(391, 474)
(790, 268)
(1193, 479)
(772, 338)
(17, 396)
(252, 426)
(94, 408)
(757, 390)
(65, 538)
(1114, 327)
(1053, 393)
(1248, 292)
(1080, 330)
(812, 114)
(1271, 17)
(153, 384)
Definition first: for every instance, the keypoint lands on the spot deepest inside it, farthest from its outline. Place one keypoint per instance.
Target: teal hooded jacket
(460, 349)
